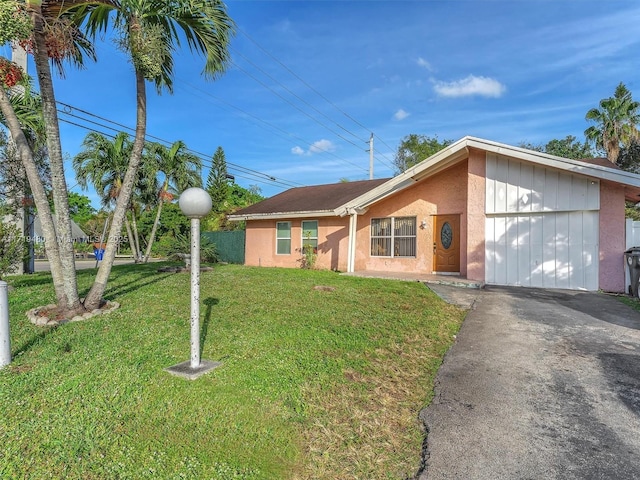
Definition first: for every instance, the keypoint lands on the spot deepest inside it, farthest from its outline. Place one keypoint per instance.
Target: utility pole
(371, 157)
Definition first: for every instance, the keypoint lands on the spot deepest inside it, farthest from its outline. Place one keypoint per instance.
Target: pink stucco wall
(444, 193)
(476, 215)
(612, 237)
(260, 246)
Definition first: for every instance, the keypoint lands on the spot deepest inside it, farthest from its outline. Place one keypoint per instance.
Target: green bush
(171, 247)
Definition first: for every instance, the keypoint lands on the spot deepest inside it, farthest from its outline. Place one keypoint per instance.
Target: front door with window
(446, 243)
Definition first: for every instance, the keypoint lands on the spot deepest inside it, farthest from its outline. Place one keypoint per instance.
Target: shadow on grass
(31, 280)
(209, 302)
(25, 347)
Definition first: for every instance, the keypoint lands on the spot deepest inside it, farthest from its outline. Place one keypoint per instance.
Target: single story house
(483, 210)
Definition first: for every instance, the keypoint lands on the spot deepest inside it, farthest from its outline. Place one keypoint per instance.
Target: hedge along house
(479, 209)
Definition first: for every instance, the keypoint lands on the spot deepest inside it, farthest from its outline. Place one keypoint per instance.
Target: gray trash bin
(632, 260)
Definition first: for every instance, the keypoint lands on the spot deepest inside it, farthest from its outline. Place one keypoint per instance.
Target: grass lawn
(315, 384)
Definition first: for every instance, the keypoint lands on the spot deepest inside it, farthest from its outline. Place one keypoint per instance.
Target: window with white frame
(283, 238)
(310, 234)
(393, 237)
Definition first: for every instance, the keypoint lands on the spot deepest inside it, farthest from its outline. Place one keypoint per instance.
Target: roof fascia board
(280, 215)
(455, 151)
(574, 166)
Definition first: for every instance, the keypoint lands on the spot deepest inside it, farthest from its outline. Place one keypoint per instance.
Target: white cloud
(400, 115)
(423, 63)
(472, 85)
(317, 147)
(322, 146)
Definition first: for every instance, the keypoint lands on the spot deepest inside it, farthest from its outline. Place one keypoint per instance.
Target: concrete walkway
(540, 384)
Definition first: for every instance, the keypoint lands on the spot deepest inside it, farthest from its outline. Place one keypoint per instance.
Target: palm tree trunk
(58, 182)
(94, 297)
(152, 235)
(132, 245)
(136, 236)
(39, 197)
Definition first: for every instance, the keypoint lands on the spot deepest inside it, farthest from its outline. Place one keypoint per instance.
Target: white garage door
(549, 250)
(541, 227)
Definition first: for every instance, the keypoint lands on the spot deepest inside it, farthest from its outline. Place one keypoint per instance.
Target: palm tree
(46, 27)
(181, 170)
(103, 163)
(616, 123)
(149, 33)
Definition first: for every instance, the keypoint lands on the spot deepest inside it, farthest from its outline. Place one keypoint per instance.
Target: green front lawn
(314, 383)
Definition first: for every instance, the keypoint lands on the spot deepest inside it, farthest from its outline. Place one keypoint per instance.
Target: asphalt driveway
(540, 384)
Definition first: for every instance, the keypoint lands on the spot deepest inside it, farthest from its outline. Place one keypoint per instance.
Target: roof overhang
(282, 215)
(459, 150)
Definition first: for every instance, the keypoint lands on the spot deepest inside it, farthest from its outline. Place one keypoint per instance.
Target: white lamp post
(195, 203)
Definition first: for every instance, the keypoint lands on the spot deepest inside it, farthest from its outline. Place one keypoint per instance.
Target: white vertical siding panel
(537, 202)
(490, 250)
(593, 194)
(524, 251)
(548, 251)
(524, 188)
(502, 174)
(591, 247)
(512, 250)
(563, 201)
(500, 250)
(563, 270)
(550, 195)
(513, 180)
(576, 250)
(579, 190)
(536, 239)
(490, 185)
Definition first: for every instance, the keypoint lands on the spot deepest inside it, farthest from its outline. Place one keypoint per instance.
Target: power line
(256, 175)
(310, 87)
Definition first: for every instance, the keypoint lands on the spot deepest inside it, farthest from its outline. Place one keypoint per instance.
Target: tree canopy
(415, 148)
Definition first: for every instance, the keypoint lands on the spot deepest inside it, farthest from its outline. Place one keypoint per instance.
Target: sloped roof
(313, 201)
(76, 232)
(600, 169)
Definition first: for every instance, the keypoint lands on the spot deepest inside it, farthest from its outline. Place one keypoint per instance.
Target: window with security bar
(393, 237)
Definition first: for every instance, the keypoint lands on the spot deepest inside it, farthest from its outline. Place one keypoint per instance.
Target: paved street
(43, 265)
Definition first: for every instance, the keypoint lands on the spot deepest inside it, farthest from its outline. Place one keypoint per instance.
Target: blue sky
(311, 80)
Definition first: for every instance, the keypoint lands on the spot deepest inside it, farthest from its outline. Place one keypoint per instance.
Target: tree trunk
(132, 245)
(152, 235)
(94, 298)
(56, 162)
(136, 236)
(39, 196)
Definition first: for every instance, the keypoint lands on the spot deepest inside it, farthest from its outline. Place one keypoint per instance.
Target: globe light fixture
(195, 203)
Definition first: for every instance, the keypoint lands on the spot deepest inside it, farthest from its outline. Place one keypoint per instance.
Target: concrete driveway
(540, 384)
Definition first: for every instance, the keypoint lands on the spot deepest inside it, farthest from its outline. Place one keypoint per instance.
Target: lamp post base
(185, 369)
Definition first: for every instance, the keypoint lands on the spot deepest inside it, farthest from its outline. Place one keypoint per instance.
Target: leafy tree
(149, 32)
(629, 157)
(237, 197)
(616, 123)
(181, 170)
(415, 148)
(568, 147)
(218, 182)
(80, 208)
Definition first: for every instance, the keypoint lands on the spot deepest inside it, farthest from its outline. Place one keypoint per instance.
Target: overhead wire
(255, 174)
(314, 90)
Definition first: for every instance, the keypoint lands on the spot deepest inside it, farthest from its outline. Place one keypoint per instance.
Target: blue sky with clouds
(311, 80)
